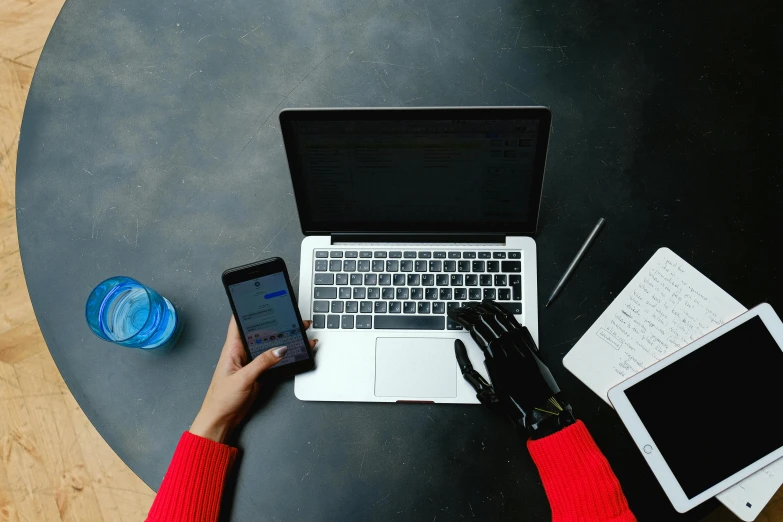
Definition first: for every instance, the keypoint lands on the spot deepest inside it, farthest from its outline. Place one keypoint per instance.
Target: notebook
(667, 305)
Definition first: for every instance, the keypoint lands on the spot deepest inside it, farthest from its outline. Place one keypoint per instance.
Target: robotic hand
(522, 386)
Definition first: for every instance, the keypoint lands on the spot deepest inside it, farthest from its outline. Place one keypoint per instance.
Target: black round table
(151, 148)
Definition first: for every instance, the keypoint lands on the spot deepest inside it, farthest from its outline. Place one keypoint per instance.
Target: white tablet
(706, 416)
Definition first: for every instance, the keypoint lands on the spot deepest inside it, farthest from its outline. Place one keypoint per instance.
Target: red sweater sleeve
(193, 484)
(578, 480)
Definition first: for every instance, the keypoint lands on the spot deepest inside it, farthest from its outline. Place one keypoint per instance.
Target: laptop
(408, 213)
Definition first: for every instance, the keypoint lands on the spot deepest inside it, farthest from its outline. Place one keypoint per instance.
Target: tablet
(705, 417)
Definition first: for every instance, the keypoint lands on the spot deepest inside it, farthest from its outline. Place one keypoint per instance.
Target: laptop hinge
(409, 237)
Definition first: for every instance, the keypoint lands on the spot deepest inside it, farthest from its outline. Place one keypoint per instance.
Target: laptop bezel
(310, 227)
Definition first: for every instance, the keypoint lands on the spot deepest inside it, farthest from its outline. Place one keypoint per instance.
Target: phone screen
(267, 317)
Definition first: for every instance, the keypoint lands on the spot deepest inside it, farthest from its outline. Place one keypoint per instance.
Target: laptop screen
(417, 170)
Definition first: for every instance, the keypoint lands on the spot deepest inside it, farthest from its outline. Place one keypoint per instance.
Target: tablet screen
(712, 413)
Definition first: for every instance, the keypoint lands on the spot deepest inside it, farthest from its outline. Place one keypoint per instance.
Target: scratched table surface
(150, 147)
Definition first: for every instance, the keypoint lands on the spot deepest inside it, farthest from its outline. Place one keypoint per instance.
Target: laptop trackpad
(415, 367)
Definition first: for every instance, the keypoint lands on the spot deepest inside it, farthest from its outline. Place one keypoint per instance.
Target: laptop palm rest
(415, 367)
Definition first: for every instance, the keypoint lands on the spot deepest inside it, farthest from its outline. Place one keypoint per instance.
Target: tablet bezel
(642, 438)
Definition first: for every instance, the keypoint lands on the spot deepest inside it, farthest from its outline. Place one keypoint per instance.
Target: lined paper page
(667, 305)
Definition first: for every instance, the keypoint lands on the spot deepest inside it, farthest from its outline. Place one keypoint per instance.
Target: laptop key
(409, 307)
(395, 307)
(384, 279)
(463, 266)
(471, 280)
(370, 279)
(399, 279)
(387, 293)
(460, 294)
(431, 294)
(425, 255)
(485, 280)
(395, 255)
(438, 307)
(416, 322)
(363, 322)
(478, 266)
(511, 266)
(494, 266)
(377, 266)
(337, 307)
(451, 325)
(449, 266)
(499, 255)
(442, 280)
(365, 307)
(342, 279)
(349, 265)
(452, 305)
(516, 286)
(319, 321)
(325, 292)
(474, 294)
(439, 255)
(469, 255)
(489, 293)
(345, 292)
(417, 293)
(335, 253)
(380, 255)
(333, 322)
(346, 323)
(402, 293)
(380, 307)
(406, 266)
(352, 254)
(427, 280)
(409, 254)
(373, 293)
(359, 292)
(363, 265)
(514, 308)
(324, 279)
(436, 266)
(504, 294)
(414, 279)
(445, 294)
(484, 255)
(454, 255)
(392, 266)
(456, 280)
(321, 265)
(356, 279)
(365, 254)
(500, 280)
(336, 265)
(351, 307)
(515, 255)
(320, 306)
(321, 253)
(423, 308)
(421, 266)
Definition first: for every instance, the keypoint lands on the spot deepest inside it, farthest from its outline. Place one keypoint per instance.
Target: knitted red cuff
(578, 480)
(193, 484)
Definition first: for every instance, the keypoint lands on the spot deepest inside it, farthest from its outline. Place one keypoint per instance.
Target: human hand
(234, 386)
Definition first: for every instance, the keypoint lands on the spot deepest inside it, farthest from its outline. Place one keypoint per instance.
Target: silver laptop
(408, 213)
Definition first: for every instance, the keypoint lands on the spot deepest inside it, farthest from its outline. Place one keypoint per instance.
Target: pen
(577, 258)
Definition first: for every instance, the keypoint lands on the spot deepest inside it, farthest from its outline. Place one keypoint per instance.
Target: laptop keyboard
(409, 290)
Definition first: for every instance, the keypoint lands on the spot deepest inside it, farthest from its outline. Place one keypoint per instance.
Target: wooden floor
(53, 464)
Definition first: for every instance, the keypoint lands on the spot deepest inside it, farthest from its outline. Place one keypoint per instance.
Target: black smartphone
(265, 309)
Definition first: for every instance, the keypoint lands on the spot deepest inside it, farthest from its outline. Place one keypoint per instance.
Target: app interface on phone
(267, 317)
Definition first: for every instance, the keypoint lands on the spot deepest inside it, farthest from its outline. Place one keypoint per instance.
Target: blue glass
(126, 312)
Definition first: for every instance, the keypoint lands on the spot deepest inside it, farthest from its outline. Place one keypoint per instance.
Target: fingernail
(315, 341)
(280, 351)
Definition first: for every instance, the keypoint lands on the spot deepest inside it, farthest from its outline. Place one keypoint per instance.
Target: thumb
(263, 362)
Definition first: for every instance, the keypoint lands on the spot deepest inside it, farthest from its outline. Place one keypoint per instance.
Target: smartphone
(265, 309)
